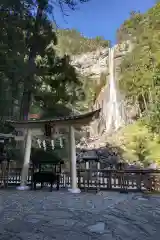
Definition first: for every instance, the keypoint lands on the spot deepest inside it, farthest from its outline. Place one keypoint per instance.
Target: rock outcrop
(92, 64)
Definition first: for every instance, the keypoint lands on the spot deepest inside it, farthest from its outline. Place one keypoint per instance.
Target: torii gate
(69, 122)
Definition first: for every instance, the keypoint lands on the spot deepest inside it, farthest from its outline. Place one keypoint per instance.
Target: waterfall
(113, 111)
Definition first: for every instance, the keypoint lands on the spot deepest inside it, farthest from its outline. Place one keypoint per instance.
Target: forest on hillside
(140, 79)
(140, 70)
(72, 42)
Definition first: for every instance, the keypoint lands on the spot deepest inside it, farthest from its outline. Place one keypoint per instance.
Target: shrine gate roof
(82, 119)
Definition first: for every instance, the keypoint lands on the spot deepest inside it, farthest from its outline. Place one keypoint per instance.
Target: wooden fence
(126, 180)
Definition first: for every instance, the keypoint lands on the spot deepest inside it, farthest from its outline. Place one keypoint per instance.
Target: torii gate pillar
(72, 152)
(27, 153)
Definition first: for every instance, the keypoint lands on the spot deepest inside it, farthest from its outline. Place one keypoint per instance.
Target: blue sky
(101, 17)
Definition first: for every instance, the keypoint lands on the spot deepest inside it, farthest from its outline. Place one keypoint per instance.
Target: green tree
(140, 149)
(72, 42)
(141, 67)
(130, 27)
(30, 70)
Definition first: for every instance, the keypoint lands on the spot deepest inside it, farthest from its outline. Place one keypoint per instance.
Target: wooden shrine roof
(82, 119)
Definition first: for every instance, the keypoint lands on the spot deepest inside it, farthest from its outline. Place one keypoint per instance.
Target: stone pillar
(72, 155)
(25, 168)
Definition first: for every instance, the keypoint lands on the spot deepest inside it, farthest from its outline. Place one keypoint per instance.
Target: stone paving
(44, 215)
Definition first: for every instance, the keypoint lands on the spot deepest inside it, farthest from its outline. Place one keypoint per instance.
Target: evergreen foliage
(72, 42)
(30, 70)
(140, 70)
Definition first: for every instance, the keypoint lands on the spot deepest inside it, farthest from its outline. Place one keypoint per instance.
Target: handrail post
(79, 178)
(109, 180)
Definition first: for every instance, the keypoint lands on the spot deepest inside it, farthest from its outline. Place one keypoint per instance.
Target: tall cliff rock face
(92, 64)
